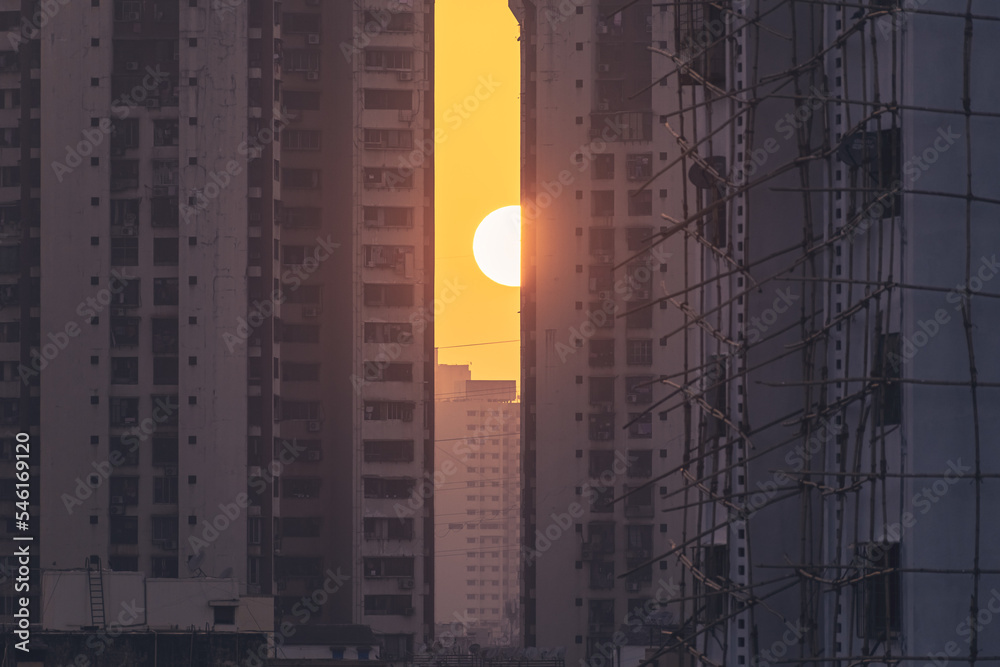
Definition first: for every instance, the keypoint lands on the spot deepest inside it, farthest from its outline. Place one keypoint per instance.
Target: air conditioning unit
(633, 586)
(313, 38)
(312, 76)
(170, 545)
(116, 510)
(604, 69)
(310, 312)
(314, 455)
(132, 66)
(604, 295)
(119, 311)
(406, 76)
(129, 231)
(603, 105)
(406, 584)
(409, 611)
(117, 500)
(170, 471)
(153, 103)
(313, 426)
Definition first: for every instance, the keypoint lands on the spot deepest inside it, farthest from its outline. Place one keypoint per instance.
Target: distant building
(477, 508)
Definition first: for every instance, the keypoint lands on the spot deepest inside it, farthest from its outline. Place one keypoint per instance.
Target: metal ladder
(95, 580)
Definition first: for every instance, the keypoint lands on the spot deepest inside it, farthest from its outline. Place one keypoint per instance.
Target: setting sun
(497, 246)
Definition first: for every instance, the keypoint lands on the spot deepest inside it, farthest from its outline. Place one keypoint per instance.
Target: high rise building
(217, 270)
(591, 333)
(356, 371)
(478, 507)
(825, 165)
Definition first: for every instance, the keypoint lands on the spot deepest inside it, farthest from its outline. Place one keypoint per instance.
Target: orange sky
(476, 161)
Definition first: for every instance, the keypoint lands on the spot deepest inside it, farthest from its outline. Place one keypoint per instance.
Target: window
(386, 567)
(377, 177)
(165, 490)
(888, 394)
(164, 567)
(389, 332)
(715, 566)
(301, 487)
(601, 501)
(165, 291)
(388, 295)
(638, 543)
(397, 257)
(165, 251)
(602, 575)
(642, 426)
(123, 411)
(300, 60)
(224, 615)
(124, 490)
(125, 370)
(640, 463)
(165, 132)
(388, 216)
(388, 372)
(301, 140)
(303, 179)
(164, 211)
(602, 203)
(124, 213)
(124, 529)
(639, 389)
(300, 410)
(601, 616)
(639, 166)
(703, 50)
(385, 59)
(165, 174)
(640, 202)
(602, 352)
(388, 605)
(165, 370)
(124, 135)
(600, 461)
(298, 566)
(377, 139)
(389, 21)
(602, 243)
(716, 395)
(602, 390)
(124, 332)
(638, 238)
(388, 99)
(10, 177)
(124, 453)
(128, 10)
(382, 487)
(310, 294)
(600, 279)
(165, 451)
(125, 252)
(604, 166)
(295, 372)
(388, 529)
(639, 505)
(639, 352)
(165, 335)
(601, 426)
(165, 530)
(876, 597)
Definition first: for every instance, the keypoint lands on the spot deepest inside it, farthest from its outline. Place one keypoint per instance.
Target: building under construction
(827, 183)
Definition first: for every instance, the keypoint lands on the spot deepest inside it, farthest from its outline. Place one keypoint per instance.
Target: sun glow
(497, 246)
